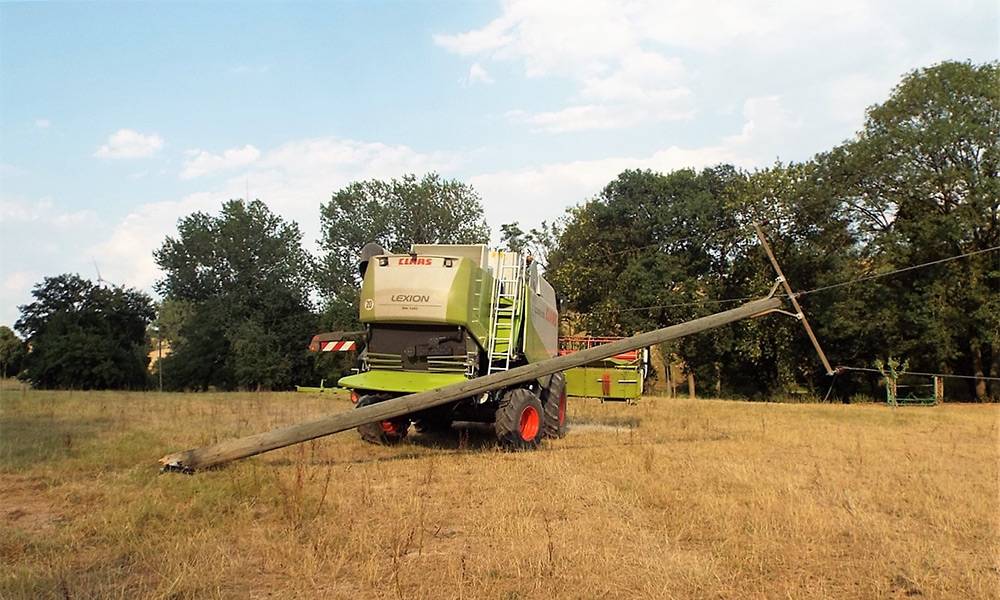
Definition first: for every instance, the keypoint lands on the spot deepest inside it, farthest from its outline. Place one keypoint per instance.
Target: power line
(693, 238)
(894, 272)
(805, 292)
(675, 305)
(866, 370)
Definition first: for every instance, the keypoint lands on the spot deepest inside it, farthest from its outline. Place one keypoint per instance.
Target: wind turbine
(101, 282)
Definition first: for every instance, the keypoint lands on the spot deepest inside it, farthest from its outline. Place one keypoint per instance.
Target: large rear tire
(519, 420)
(382, 433)
(554, 406)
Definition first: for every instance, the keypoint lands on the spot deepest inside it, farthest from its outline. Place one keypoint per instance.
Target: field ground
(670, 498)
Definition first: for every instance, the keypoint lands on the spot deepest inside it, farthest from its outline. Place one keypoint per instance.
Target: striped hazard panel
(337, 346)
(335, 341)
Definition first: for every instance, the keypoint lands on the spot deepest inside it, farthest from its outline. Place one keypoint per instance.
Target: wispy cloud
(128, 143)
(294, 179)
(477, 74)
(545, 191)
(648, 61)
(200, 162)
(42, 123)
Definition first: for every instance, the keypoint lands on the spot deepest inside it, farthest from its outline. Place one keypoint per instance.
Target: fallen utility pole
(201, 458)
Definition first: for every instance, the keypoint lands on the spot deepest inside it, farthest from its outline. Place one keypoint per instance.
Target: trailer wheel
(519, 420)
(383, 433)
(554, 405)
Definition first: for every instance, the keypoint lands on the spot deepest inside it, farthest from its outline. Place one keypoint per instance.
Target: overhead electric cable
(867, 370)
(805, 292)
(895, 271)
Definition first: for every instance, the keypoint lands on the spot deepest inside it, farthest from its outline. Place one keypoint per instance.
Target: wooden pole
(200, 458)
(801, 316)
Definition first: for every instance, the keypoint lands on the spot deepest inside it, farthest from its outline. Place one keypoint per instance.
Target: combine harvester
(460, 333)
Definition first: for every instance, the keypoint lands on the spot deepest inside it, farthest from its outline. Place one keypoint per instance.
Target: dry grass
(671, 498)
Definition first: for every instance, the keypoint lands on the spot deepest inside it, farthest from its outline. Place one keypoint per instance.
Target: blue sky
(117, 119)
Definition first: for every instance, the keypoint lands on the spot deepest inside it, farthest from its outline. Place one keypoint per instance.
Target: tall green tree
(921, 182)
(84, 336)
(394, 214)
(237, 286)
(539, 242)
(918, 184)
(12, 352)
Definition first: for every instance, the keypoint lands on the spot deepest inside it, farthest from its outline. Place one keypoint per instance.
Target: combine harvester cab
(444, 314)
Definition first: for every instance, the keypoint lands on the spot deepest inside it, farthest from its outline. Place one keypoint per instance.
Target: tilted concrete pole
(200, 458)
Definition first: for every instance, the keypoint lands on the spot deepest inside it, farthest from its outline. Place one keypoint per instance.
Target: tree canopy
(394, 214)
(919, 183)
(84, 336)
(12, 352)
(237, 289)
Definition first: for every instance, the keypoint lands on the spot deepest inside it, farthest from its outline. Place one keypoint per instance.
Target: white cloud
(850, 95)
(534, 194)
(477, 74)
(42, 123)
(531, 195)
(620, 83)
(294, 179)
(200, 162)
(17, 281)
(128, 143)
(20, 213)
(661, 105)
(38, 237)
(767, 124)
(644, 62)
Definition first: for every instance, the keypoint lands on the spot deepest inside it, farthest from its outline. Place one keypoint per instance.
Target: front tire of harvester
(554, 407)
(519, 420)
(382, 433)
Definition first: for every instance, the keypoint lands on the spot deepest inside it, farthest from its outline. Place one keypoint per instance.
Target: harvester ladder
(508, 290)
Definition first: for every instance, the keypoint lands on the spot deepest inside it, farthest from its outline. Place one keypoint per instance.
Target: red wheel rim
(529, 423)
(562, 408)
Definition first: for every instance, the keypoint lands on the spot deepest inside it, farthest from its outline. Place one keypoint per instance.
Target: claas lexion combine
(459, 333)
(446, 314)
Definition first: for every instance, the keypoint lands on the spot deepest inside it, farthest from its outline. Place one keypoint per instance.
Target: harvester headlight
(448, 262)
(383, 261)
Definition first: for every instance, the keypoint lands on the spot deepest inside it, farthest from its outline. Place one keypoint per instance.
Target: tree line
(919, 183)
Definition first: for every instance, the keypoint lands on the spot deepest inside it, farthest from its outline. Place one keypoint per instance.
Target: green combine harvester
(445, 314)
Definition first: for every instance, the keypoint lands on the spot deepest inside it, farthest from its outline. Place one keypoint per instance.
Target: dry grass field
(667, 499)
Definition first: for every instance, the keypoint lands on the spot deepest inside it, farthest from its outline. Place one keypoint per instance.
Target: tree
(538, 242)
(921, 182)
(394, 214)
(11, 352)
(918, 184)
(236, 300)
(654, 249)
(85, 336)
